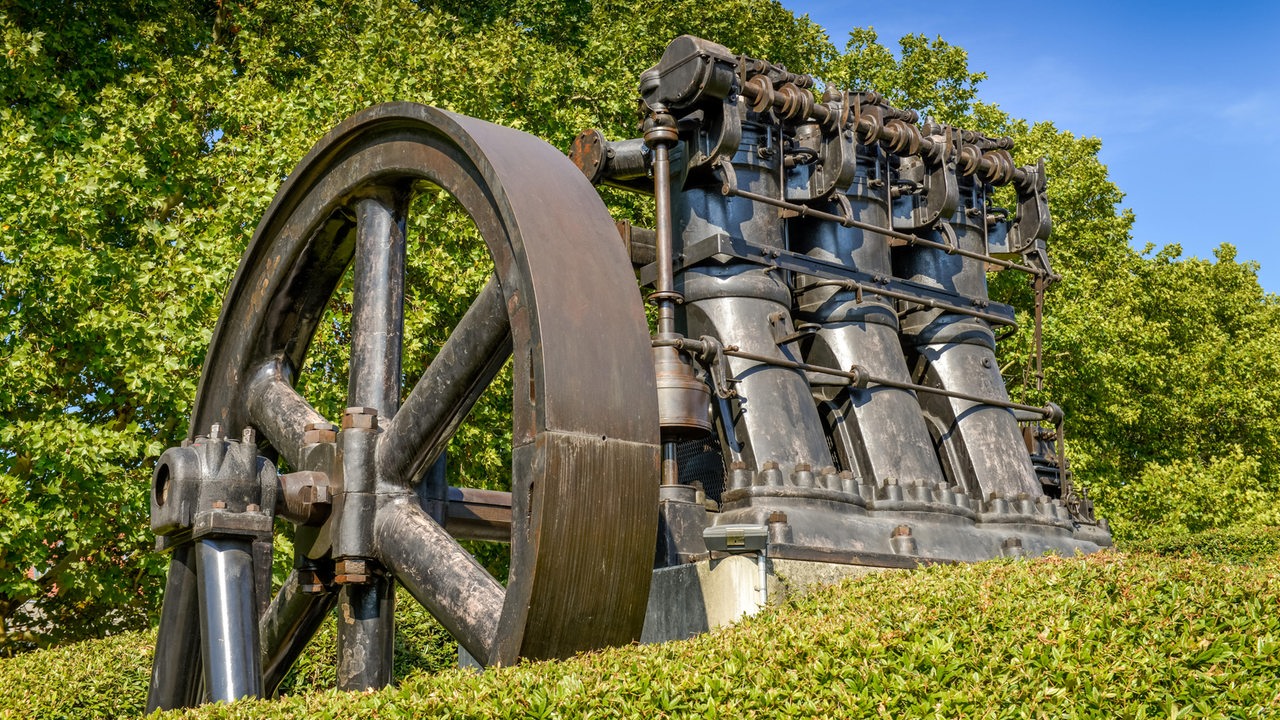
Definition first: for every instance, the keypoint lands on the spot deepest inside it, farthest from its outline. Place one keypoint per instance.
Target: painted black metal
(291, 620)
(176, 669)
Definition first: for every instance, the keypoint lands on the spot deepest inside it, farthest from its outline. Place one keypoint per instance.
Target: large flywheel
(561, 305)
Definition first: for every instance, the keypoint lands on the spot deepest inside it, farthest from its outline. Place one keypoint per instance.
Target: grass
(1163, 630)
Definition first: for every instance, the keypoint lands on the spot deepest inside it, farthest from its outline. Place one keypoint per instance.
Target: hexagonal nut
(310, 582)
(319, 433)
(353, 572)
(360, 417)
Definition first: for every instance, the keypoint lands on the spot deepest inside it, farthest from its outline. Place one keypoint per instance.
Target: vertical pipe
(366, 634)
(662, 218)
(228, 619)
(659, 137)
(366, 621)
(377, 322)
(175, 670)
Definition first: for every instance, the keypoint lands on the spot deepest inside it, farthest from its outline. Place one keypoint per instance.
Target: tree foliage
(139, 146)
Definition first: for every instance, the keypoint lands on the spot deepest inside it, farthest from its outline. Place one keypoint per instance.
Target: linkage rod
(925, 302)
(858, 375)
(806, 211)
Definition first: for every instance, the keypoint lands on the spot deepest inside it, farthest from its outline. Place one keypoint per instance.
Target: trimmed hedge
(1132, 635)
(1237, 546)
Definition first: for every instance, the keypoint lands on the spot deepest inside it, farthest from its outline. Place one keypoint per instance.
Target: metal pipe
(175, 671)
(287, 627)
(377, 322)
(470, 359)
(366, 634)
(442, 576)
(665, 298)
(228, 619)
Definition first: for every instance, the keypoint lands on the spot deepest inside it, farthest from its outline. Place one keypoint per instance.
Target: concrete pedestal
(690, 599)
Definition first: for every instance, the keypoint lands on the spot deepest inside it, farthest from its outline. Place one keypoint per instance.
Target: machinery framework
(821, 376)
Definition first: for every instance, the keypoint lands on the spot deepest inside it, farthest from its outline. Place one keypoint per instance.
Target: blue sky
(1184, 96)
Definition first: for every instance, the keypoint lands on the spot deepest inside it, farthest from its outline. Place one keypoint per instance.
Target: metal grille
(702, 462)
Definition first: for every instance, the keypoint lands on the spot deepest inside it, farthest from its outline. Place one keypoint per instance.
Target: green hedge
(1236, 545)
(1125, 635)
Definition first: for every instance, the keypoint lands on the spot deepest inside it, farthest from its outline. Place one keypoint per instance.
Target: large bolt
(769, 474)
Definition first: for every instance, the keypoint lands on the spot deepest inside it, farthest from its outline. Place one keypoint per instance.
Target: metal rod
(287, 627)
(670, 466)
(806, 211)
(466, 364)
(441, 575)
(857, 375)
(175, 671)
(228, 619)
(925, 302)
(665, 283)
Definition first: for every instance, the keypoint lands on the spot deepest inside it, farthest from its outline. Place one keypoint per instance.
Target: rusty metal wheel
(561, 305)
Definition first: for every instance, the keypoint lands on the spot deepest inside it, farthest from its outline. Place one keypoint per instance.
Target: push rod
(806, 211)
(858, 375)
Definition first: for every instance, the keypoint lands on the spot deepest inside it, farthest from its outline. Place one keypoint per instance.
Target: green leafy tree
(140, 143)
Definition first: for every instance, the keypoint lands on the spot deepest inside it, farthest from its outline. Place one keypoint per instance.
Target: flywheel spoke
(466, 364)
(582, 511)
(278, 411)
(377, 323)
(441, 575)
